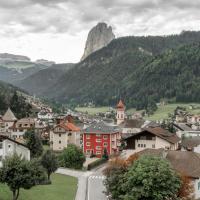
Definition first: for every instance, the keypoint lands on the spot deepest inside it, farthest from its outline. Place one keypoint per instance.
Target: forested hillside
(122, 69)
(173, 75)
(10, 97)
(44, 79)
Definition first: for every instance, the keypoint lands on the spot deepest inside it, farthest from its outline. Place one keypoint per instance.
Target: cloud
(66, 16)
(70, 20)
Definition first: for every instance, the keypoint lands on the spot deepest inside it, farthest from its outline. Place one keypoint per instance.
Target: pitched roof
(9, 116)
(186, 162)
(3, 137)
(102, 127)
(183, 127)
(69, 126)
(161, 133)
(132, 123)
(120, 105)
(190, 143)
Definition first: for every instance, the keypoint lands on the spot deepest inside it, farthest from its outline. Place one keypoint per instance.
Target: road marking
(97, 177)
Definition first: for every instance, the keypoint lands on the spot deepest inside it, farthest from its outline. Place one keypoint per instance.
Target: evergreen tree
(49, 162)
(34, 143)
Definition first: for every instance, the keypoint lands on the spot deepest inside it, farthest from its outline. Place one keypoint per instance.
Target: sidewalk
(82, 181)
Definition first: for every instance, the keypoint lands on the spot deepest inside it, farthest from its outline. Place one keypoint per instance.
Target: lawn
(163, 111)
(62, 188)
(92, 111)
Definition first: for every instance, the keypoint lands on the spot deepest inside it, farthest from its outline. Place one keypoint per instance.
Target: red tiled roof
(120, 104)
(69, 126)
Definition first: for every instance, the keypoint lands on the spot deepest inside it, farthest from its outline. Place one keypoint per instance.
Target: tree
(19, 106)
(19, 173)
(114, 173)
(187, 188)
(49, 162)
(105, 154)
(151, 178)
(72, 157)
(34, 143)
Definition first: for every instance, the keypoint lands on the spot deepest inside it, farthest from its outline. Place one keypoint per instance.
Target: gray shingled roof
(190, 143)
(9, 116)
(101, 127)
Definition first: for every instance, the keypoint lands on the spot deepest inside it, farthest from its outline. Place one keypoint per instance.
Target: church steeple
(120, 112)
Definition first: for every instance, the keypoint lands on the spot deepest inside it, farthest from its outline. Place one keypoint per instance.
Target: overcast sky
(57, 29)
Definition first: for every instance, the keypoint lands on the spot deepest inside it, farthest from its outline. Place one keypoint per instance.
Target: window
(1, 145)
(59, 135)
(138, 145)
(98, 135)
(198, 185)
(87, 136)
(105, 137)
(69, 134)
(87, 143)
(153, 146)
(59, 142)
(98, 147)
(122, 116)
(143, 138)
(98, 140)
(98, 152)
(144, 145)
(105, 144)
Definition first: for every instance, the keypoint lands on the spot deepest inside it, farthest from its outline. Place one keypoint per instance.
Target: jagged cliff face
(99, 36)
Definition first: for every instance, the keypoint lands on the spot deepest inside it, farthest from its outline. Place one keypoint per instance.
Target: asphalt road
(96, 187)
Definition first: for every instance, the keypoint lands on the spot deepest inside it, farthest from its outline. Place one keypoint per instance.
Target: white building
(152, 138)
(8, 147)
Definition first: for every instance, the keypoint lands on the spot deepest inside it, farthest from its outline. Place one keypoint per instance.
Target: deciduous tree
(19, 173)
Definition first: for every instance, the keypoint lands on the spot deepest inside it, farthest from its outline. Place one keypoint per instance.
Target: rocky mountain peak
(99, 36)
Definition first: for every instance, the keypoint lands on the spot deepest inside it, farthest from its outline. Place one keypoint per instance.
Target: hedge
(96, 163)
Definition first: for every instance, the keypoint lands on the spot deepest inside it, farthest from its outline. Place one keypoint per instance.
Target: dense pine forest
(10, 97)
(137, 69)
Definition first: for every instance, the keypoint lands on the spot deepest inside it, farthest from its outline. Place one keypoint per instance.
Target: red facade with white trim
(96, 143)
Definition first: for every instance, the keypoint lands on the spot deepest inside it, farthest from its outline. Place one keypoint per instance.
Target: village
(98, 137)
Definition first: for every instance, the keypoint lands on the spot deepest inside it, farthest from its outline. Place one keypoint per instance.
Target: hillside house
(100, 136)
(20, 127)
(153, 138)
(9, 119)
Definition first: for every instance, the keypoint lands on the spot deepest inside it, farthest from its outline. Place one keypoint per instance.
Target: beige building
(20, 127)
(63, 134)
(9, 119)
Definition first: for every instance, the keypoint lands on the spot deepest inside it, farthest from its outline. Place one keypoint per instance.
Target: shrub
(72, 157)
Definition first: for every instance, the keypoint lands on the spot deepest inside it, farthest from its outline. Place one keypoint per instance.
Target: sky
(57, 29)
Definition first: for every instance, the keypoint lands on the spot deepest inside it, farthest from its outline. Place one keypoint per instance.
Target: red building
(100, 136)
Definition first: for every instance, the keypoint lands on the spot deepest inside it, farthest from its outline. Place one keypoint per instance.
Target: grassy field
(62, 188)
(161, 113)
(92, 111)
